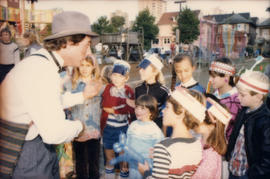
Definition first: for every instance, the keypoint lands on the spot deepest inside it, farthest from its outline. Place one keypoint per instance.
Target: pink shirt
(210, 166)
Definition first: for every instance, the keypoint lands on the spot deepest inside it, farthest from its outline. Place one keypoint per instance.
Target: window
(156, 41)
(167, 41)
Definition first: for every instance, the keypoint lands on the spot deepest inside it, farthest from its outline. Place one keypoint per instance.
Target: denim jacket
(89, 112)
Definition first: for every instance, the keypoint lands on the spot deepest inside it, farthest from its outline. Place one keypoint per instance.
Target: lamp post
(180, 3)
(32, 12)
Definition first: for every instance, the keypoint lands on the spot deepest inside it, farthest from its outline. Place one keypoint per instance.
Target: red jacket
(109, 101)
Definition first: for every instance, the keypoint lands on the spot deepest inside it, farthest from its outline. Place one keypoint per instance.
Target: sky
(96, 8)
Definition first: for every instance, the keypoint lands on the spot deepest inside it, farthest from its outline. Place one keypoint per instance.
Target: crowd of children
(201, 129)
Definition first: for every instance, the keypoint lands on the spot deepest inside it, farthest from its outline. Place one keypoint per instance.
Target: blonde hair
(189, 120)
(95, 73)
(159, 76)
(31, 36)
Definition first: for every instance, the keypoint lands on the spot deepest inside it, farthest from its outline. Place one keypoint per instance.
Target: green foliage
(188, 24)
(117, 23)
(146, 22)
(102, 26)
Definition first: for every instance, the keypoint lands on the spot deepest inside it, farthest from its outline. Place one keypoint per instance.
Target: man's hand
(87, 135)
(92, 89)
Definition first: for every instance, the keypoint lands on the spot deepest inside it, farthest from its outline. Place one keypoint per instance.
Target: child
(180, 155)
(143, 133)
(116, 112)
(248, 148)
(183, 67)
(213, 139)
(87, 147)
(153, 83)
(221, 77)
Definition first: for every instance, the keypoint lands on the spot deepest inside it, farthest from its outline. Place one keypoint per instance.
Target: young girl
(183, 68)
(180, 155)
(143, 133)
(116, 112)
(87, 147)
(213, 139)
(153, 83)
(221, 77)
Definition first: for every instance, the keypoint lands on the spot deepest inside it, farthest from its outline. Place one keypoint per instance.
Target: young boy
(116, 111)
(248, 150)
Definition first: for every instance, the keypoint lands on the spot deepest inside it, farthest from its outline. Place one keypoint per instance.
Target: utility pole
(32, 12)
(180, 3)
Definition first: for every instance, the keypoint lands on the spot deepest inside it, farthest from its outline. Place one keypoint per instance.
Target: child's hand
(130, 102)
(151, 152)
(143, 167)
(109, 110)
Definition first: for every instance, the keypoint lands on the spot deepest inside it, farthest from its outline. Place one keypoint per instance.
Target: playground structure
(129, 43)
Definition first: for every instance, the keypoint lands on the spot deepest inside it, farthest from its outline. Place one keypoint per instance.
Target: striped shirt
(176, 158)
(116, 98)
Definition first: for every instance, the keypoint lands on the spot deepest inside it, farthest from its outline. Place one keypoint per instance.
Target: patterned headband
(222, 68)
(218, 111)
(188, 102)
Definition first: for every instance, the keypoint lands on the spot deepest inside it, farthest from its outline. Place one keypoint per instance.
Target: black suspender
(56, 62)
(54, 59)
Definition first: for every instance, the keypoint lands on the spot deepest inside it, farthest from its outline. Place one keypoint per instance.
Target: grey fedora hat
(71, 23)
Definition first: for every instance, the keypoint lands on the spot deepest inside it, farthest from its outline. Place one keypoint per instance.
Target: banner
(13, 14)
(40, 16)
(3, 13)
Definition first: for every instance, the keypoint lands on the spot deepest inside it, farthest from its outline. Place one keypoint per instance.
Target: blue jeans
(231, 176)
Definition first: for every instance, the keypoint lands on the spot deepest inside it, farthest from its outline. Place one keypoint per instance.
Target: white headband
(222, 68)
(188, 102)
(218, 111)
(155, 61)
(252, 84)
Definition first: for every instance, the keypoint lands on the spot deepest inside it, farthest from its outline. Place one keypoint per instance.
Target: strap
(40, 55)
(60, 69)
(56, 62)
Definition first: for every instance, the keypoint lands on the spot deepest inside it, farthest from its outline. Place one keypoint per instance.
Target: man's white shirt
(32, 92)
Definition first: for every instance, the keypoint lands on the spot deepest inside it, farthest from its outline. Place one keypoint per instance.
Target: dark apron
(37, 161)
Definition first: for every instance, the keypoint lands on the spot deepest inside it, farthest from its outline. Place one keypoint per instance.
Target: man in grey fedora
(30, 95)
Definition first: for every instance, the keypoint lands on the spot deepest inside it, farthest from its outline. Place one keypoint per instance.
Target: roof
(236, 19)
(167, 18)
(221, 17)
(265, 23)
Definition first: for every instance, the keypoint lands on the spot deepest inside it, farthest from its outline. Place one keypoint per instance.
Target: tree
(144, 21)
(117, 23)
(188, 24)
(102, 26)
